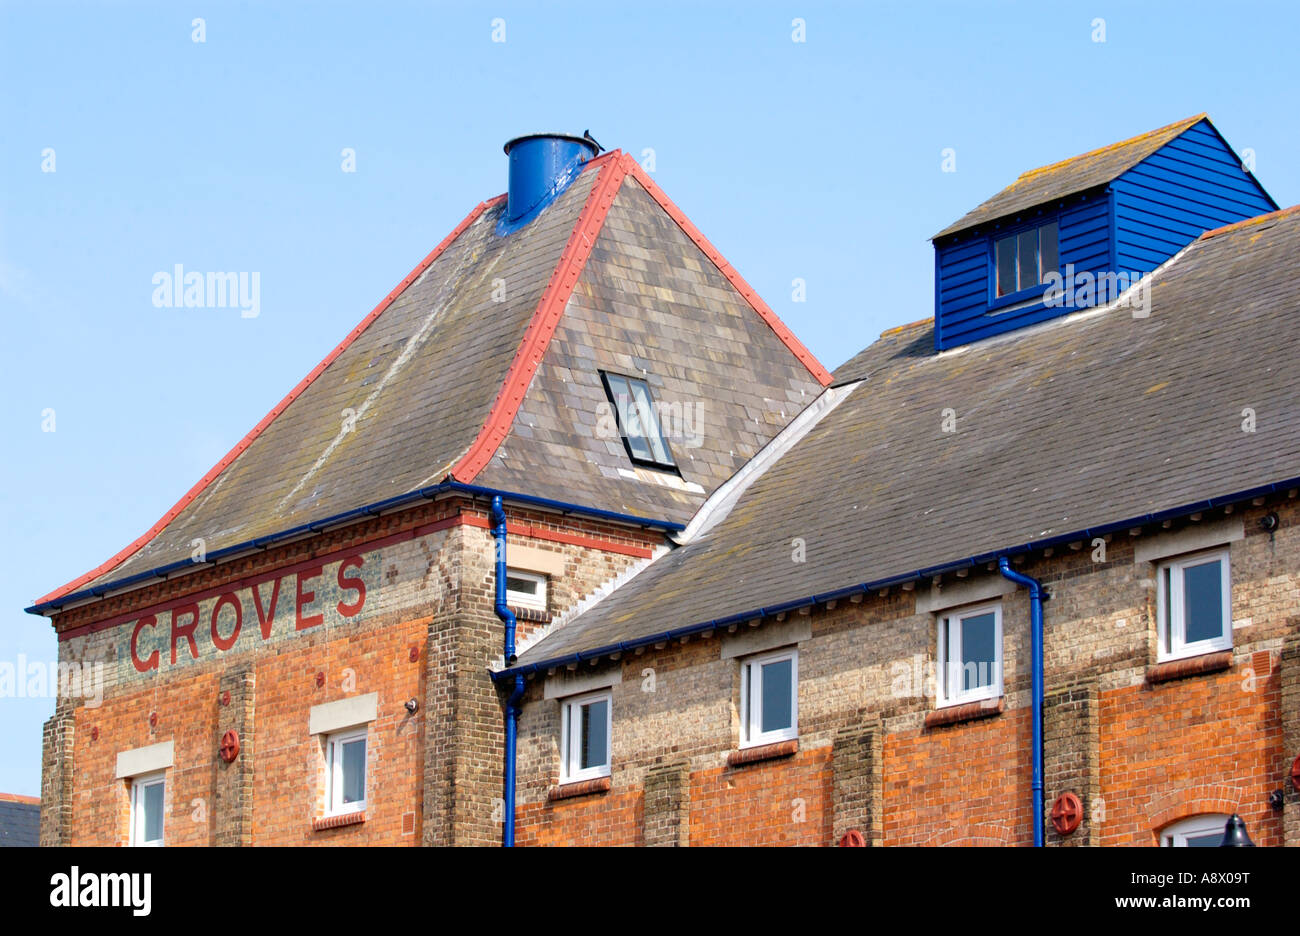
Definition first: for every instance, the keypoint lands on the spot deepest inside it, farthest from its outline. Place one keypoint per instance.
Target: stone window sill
(763, 752)
(1191, 666)
(581, 788)
(969, 711)
(320, 823)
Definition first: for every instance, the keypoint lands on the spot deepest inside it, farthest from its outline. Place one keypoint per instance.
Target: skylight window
(638, 421)
(1025, 259)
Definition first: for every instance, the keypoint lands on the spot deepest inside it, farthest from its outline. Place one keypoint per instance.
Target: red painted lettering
(305, 598)
(143, 666)
(187, 631)
(266, 618)
(225, 643)
(352, 582)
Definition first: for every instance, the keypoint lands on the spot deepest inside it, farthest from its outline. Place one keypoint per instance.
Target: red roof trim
(726, 269)
(1249, 222)
(612, 167)
(279, 408)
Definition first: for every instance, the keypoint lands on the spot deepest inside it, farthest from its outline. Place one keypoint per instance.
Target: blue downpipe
(1036, 630)
(516, 697)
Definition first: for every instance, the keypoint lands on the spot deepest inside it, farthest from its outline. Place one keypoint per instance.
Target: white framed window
(526, 589)
(1025, 259)
(1194, 605)
(148, 809)
(769, 698)
(970, 655)
(587, 722)
(1204, 831)
(638, 420)
(345, 772)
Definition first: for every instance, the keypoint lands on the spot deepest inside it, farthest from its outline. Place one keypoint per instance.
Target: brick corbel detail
(581, 788)
(857, 765)
(1192, 666)
(56, 779)
(1072, 755)
(667, 804)
(1290, 678)
(752, 755)
(232, 804)
(969, 711)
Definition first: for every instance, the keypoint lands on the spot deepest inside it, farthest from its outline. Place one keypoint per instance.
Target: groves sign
(284, 604)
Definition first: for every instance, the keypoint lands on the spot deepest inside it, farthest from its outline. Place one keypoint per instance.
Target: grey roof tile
(1088, 420)
(1077, 174)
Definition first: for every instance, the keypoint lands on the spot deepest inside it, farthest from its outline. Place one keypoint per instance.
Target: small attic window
(638, 420)
(1024, 259)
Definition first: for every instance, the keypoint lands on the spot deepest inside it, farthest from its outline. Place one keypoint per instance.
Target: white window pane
(1006, 262)
(521, 585)
(354, 771)
(1027, 254)
(1203, 601)
(1205, 840)
(1048, 252)
(595, 734)
(978, 650)
(776, 679)
(153, 812)
(650, 422)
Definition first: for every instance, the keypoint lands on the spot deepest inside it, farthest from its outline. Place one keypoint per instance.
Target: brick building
(1034, 555)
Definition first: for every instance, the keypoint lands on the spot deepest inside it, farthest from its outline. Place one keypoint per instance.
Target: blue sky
(818, 160)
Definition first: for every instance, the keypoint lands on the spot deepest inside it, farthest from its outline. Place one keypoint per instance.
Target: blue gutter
(1036, 630)
(369, 510)
(516, 696)
(973, 562)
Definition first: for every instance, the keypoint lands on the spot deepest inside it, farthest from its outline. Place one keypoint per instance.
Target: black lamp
(1234, 834)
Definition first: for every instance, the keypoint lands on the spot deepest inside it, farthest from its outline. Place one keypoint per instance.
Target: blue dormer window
(1023, 260)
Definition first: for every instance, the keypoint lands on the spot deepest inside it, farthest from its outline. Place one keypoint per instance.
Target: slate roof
(1070, 176)
(1092, 419)
(647, 306)
(20, 821)
(435, 376)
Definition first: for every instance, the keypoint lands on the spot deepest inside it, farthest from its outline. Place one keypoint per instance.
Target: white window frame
(943, 696)
(1176, 835)
(520, 599)
(751, 690)
(571, 753)
(1169, 607)
(138, 786)
(334, 772)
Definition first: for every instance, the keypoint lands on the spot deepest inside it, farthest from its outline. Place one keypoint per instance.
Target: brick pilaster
(464, 716)
(667, 804)
(1072, 756)
(232, 806)
(56, 779)
(1290, 677)
(857, 765)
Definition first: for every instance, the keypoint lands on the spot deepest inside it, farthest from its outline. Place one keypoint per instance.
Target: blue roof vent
(542, 165)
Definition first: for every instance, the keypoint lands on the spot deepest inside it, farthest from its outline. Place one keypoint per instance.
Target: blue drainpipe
(512, 704)
(1036, 629)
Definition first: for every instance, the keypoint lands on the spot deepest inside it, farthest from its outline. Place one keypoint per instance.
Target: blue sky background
(818, 160)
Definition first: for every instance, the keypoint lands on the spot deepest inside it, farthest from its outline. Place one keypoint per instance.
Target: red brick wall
(1206, 744)
(186, 715)
(967, 784)
(288, 777)
(778, 802)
